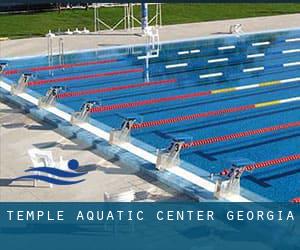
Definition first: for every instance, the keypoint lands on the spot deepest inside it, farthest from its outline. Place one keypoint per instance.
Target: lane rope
(111, 89)
(160, 122)
(296, 200)
(188, 96)
(240, 135)
(65, 66)
(80, 77)
(268, 163)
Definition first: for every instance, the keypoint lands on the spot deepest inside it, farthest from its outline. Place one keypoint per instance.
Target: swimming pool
(232, 98)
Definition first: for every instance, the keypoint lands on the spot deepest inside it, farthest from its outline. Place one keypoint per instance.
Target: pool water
(193, 77)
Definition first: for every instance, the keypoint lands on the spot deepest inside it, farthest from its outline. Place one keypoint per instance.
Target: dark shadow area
(278, 176)
(109, 44)
(24, 125)
(39, 127)
(221, 33)
(264, 142)
(5, 182)
(237, 118)
(119, 34)
(13, 125)
(44, 145)
(12, 111)
(95, 167)
(257, 181)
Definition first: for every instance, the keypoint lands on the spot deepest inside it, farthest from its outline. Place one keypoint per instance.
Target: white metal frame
(129, 20)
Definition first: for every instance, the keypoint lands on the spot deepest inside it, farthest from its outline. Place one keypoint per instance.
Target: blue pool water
(237, 61)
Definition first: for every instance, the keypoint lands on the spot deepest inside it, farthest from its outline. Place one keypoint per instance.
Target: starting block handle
(84, 113)
(122, 135)
(22, 83)
(169, 157)
(50, 97)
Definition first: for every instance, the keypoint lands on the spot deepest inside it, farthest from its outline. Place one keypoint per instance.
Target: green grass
(25, 25)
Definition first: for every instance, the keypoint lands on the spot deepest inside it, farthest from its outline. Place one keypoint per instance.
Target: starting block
(84, 113)
(231, 185)
(50, 97)
(122, 135)
(22, 84)
(236, 29)
(3, 65)
(170, 157)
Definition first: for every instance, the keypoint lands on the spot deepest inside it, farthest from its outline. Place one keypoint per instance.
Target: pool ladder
(50, 53)
(61, 53)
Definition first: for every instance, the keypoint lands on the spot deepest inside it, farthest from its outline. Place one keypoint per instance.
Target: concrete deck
(18, 132)
(36, 46)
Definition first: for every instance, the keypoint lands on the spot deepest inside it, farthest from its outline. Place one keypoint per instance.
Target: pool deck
(18, 133)
(106, 176)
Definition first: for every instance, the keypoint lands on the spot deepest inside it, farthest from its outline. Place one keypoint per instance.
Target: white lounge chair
(128, 196)
(43, 158)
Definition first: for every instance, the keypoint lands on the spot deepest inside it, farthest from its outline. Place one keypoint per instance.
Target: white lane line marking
(292, 40)
(183, 52)
(226, 47)
(256, 55)
(147, 56)
(247, 87)
(290, 51)
(291, 64)
(253, 69)
(211, 75)
(218, 60)
(290, 100)
(290, 80)
(171, 66)
(195, 51)
(261, 43)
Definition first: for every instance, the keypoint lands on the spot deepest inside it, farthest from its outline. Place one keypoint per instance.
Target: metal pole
(144, 14)
(95, 18)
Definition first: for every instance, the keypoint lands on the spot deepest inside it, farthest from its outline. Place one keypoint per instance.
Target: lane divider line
(116, 88)
(238, 135)
(80, 77)
(65, 66)
(187, 96)
(176, 119)
(272, 162)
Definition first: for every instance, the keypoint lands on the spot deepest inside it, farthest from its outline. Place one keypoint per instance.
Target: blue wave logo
(62, 174)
